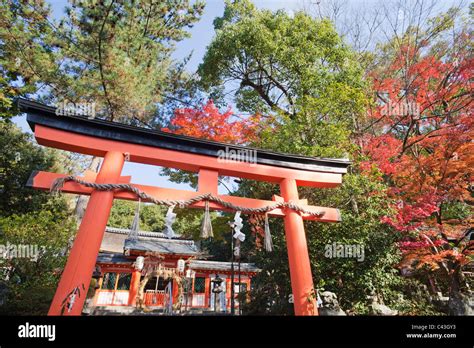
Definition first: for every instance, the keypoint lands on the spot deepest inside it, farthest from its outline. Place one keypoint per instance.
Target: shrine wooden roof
(113, 258)
(118, 240)
(162, 246)
(196, 265)
(41, 114)
(222, 266)
(157, 242)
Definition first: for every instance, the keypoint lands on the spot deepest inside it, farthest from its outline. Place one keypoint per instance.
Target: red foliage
(421, 141)
(208, 122)
(408, 217)
(383, 151)
(410, 245)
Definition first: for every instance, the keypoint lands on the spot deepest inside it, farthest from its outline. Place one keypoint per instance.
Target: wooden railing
(112, 298)
(155, 298)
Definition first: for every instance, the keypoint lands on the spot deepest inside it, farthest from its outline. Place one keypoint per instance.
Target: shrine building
(118, 278)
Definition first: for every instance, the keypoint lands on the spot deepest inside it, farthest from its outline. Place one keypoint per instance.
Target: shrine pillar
(175, 292)
(134, 285)
(75, 279)
(208, 291)
(298, 257)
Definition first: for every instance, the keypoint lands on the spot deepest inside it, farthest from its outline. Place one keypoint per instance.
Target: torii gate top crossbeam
(97, 137)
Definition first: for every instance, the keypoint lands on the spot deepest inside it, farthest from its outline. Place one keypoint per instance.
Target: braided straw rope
(59, 183)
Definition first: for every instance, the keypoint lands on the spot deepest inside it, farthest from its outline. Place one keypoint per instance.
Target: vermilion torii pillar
(115, 142)
(80, 264)
(300, 270)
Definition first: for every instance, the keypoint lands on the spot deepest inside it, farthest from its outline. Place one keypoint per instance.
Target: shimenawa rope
(207, 197)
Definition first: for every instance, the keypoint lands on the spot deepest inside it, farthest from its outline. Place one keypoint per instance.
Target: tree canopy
(98, 50)
(400, 107)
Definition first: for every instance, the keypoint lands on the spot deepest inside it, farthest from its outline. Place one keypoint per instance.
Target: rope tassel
(206, 227)
(268, 237)
(135, 223)
(169, 220)
(59, 183)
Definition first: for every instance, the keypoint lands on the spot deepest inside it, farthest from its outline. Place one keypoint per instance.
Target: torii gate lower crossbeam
(114, 142)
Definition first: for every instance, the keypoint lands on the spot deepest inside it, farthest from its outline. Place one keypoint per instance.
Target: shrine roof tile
(162, 246)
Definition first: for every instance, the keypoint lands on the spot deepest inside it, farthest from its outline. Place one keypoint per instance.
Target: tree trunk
(82, 200)
(438, 214)
(456, 280)
(459, 303)
(355, 206)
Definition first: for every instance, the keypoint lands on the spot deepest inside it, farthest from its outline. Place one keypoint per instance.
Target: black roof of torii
(38, 113)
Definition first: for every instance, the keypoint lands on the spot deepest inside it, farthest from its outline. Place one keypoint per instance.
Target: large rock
(330, 304)
(461, 305)
(381, 309)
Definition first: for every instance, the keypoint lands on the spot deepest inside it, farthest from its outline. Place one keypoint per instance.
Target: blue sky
(201, 35)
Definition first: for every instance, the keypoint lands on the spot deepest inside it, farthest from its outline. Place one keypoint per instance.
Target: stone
(461, 305)
(330, 305)
(381, 309)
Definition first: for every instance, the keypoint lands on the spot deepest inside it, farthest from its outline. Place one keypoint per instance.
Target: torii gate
(117, 142)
